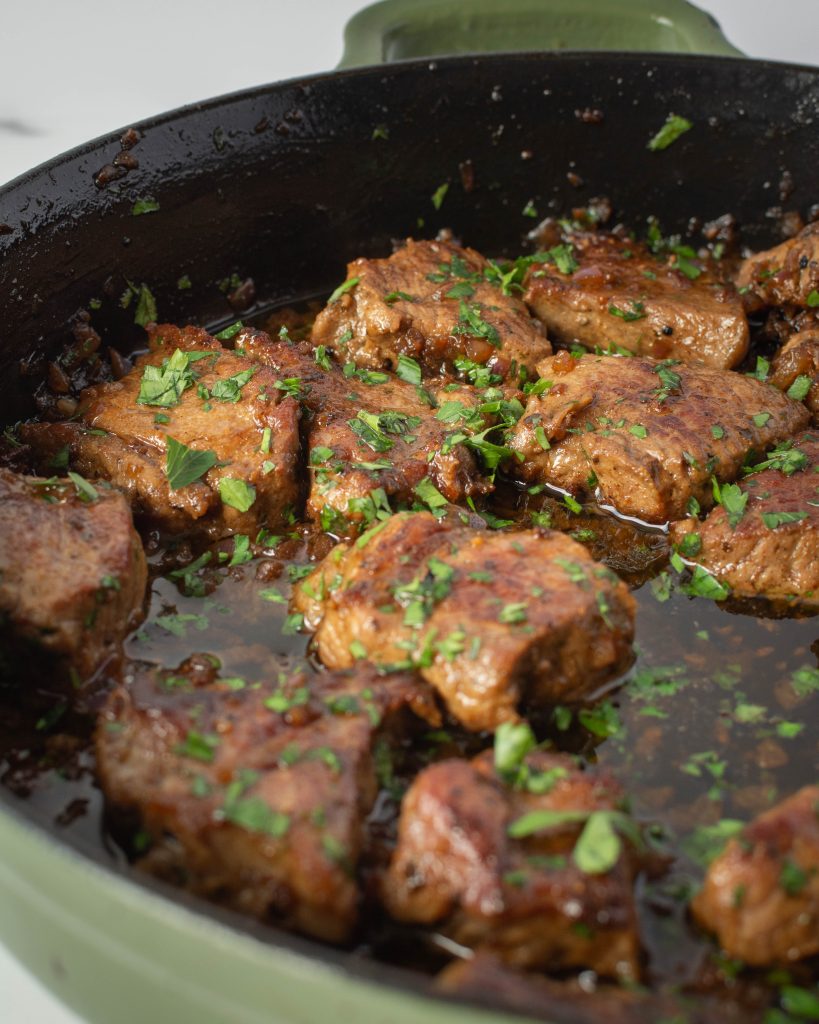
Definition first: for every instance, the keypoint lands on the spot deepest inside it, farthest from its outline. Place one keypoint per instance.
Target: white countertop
(75, 70)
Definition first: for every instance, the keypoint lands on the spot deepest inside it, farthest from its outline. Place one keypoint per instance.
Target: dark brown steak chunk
(372, 432)
(770, 546)
(230, 408)
(72, 568)
(623, 297)
(457, 867)
(761, 894)
(490, 619)
(431, 301)
(646, 437)
(253, 792)
(796, 366)
(786, 274)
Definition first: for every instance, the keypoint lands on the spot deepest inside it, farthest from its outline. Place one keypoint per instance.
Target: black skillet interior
(288, 182)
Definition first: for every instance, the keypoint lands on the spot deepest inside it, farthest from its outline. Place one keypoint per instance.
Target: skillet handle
(401, 29)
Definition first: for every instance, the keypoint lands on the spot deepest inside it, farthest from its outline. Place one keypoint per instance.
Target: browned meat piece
(72, 569)
(372, 432)
(761, 894)
(457, 867)
(257, 792)
(640, 303)
(795, 369)
(229, 411)
(490, 619)
(646, 437)
(767, 545)
(434, 302)
(786, 274)
(486, 980)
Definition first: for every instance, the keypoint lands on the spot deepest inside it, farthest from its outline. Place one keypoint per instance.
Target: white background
(70, 71)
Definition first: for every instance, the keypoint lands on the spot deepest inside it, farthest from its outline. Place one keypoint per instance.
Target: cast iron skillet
(285, 183)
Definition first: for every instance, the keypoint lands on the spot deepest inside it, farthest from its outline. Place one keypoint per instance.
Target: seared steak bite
(763, 539)
(435, 302)
(501, 867)
(489, 619)
(795, 369)
(195, 436)
(72, 569)
(373, 438)
(646, 437)
(761, 894)
(254, 793)
(621, 296)
(788, 274)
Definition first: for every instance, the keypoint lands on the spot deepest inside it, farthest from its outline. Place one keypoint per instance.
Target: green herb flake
(343, 288)
(142, 206)
(674, 127)
(145, 312)
(199, 746)
(229, 332)
(236, 493)
(774, 519)
(184, 465)
(439, 195)
(85, 490)
(800, 387)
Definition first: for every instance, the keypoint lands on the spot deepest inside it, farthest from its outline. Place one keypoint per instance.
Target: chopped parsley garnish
(230, 389)
(732, 498)
(784, 457)
(674, 127)
(408, 370)
(164, 385)
(439, 195)
(637, 312)
(343, 288)
(236, 493)
(391, 297)
(774, 519)
(229, 332)
(85, 490)
(470, 322)
(142, 206)
(813, 299)
(145, 312)
(321, 357)
(367, 428)
(800, 387)
(184, 465)
(670, 380)
(429, 494)
(199, 746)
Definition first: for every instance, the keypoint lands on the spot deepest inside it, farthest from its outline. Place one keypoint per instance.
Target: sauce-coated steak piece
(763, 541)
(491, 620)
(254, 793)
(788, 274)
(373, 438)
(646, 437)
(72, 568)
(761, 894)
(795, 369)
(621, 296)
(494, 864)
(435, 302)
(195, 436)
